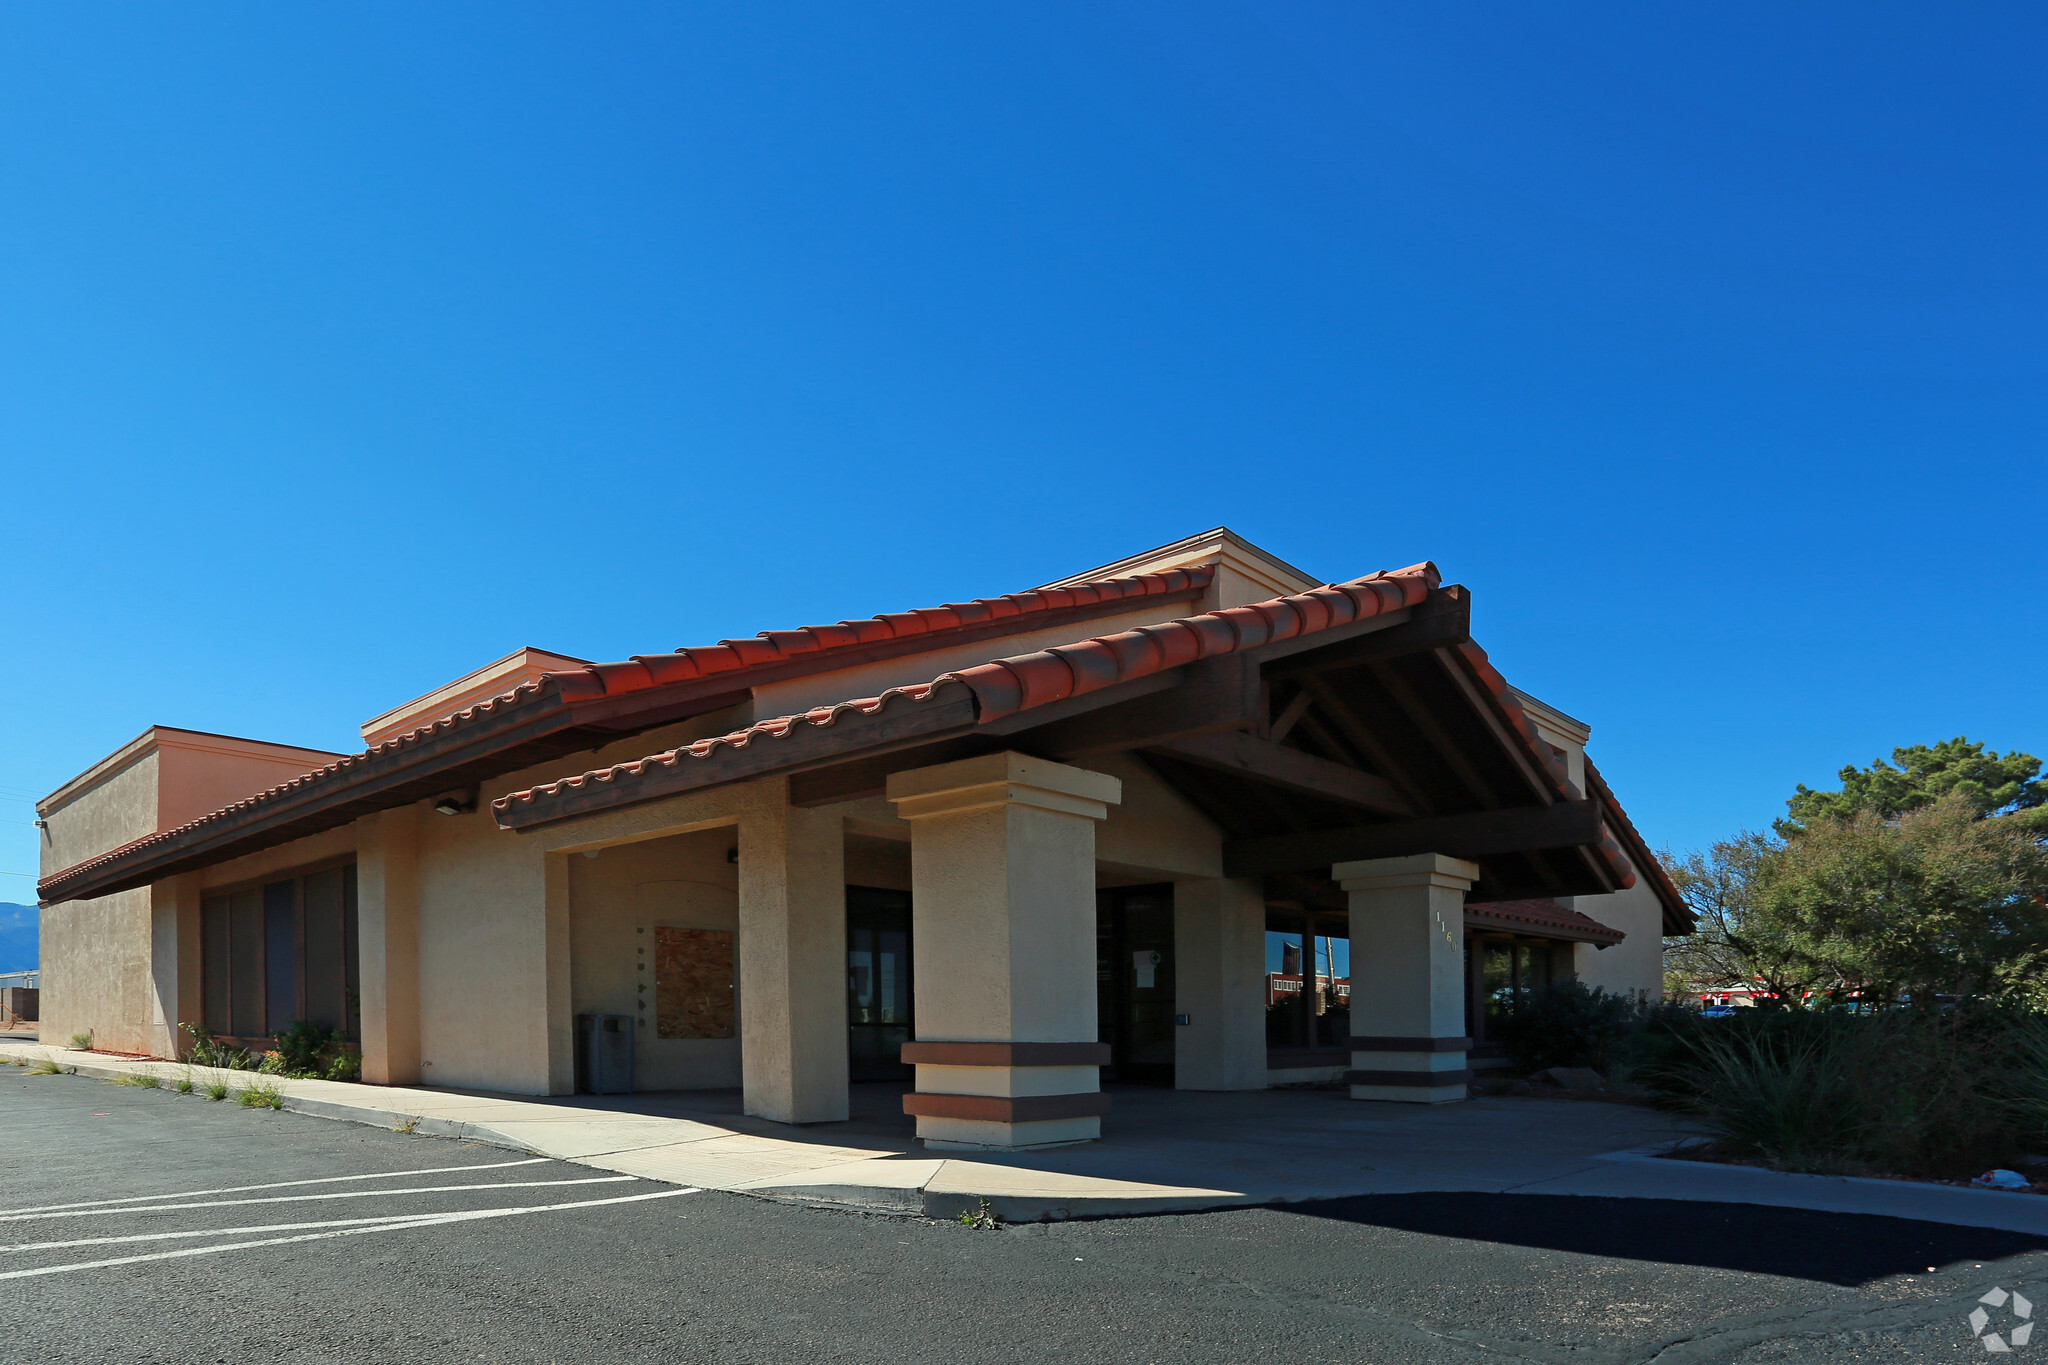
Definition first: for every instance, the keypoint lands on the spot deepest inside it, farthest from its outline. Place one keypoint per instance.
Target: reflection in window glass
(1307, 1006)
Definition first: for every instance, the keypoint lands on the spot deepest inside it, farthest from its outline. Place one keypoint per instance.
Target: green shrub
(300, 1048)
(346, 1066)
(209, 1050)
(1903, 1092)
(1571, 1024)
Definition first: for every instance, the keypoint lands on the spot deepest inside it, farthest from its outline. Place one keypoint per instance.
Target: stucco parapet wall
(1419, 869)
(1003, 779)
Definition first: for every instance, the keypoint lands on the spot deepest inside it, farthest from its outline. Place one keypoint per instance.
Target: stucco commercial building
(1193, 818)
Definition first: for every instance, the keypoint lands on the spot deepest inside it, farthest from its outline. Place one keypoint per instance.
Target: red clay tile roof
(1006, 686)
(811, 648)
(1546, 919)
(778, 646)
(1678, 916)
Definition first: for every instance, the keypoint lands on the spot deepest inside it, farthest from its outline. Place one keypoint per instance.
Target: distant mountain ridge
(20, 946)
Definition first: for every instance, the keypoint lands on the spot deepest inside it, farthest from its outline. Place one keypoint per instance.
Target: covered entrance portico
(1009, 846)
(1101, 838)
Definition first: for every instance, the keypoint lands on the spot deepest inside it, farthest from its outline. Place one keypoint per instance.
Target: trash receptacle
(604, 1054)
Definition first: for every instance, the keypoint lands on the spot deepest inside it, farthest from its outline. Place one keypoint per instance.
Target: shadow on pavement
(1846, 1249)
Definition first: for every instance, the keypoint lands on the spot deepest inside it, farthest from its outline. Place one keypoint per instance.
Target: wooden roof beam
(1275, 765)
(1480, 834)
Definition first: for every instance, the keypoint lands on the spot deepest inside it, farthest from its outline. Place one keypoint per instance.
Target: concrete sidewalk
(1164, 1150)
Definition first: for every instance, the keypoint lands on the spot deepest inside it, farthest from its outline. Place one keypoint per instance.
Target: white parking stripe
(212, 1232)
(429, 1221)
(279, 1185)
(296, 1198)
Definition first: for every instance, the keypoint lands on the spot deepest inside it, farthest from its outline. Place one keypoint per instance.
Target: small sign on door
(1145, 968)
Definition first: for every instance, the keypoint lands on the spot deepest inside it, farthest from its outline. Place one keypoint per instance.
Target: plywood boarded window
(693, 983)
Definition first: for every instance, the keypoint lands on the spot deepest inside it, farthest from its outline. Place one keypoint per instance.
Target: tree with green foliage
(1937, 900)
(1992, 785)
(1920, 876)
(1726, 948)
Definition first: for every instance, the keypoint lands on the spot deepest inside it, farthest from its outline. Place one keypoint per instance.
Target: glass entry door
(1134, 995)
(878, 984)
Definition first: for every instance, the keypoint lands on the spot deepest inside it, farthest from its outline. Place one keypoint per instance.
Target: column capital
(1006, 778)
(1416, 869)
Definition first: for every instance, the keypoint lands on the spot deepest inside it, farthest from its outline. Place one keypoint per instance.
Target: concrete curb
(392, 1119)
(1025, 1196)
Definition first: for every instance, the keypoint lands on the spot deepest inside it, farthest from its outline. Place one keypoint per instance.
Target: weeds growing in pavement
(214, 1089)
(184, 1084)
(261, 1096)
(147, 1080)
(982, 1217)
(407, 1126)
(82, 1042)
(45, 1066)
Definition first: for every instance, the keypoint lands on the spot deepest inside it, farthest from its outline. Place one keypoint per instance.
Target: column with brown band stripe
(1002, 852)
(1408, 977)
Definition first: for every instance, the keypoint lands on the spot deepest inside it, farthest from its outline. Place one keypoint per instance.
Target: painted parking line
(424, 1221)
(301, 1198)
(281, 1184)
(20, 1247)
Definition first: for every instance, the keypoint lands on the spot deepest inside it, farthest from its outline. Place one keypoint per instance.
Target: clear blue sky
(343, 348)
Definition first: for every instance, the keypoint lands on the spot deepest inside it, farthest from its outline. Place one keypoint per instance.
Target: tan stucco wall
(1155, 835)
(96, 970)
(616, 901)
(1636, 964)
(202, 773)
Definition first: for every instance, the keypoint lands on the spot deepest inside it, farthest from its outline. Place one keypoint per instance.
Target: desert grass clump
(82, 1042)
(45, 1066)
(145, 1079)
(262, 1095)
(214, 1088)
(184, 1085)
(1939, 1095)
(208, 1050)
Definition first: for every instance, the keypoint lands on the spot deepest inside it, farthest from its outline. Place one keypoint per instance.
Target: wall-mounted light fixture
(456, 802)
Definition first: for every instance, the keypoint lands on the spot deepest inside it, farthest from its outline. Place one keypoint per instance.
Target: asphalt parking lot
(140, 1226)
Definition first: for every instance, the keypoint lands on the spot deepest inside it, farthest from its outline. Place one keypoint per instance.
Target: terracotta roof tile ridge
(1545, 913)
(1660, 881)
(699, 662)
(1550, 762)
(1004, 687)
(781, 727)
(577, 684)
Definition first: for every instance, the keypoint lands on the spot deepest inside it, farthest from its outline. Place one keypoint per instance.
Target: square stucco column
(387, 944)
(792, 959)
(1408, 977)
(1002, 875)
(175, 998)
(1219, 978)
